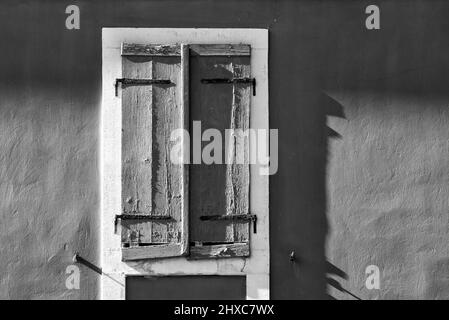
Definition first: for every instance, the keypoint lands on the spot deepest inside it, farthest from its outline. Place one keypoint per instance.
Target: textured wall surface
(363, 126)
(49, 107)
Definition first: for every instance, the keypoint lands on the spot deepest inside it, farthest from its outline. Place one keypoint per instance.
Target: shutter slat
(220, 49)
(132, 49)
(225, 250)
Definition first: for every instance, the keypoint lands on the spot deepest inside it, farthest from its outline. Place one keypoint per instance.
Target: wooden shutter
(154, 221)
(219, 193)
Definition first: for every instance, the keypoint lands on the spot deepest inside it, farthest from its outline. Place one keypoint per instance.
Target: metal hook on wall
(292, 256)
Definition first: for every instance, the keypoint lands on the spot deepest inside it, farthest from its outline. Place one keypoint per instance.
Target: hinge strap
(233, 217)
(128, 82)
(252, 81)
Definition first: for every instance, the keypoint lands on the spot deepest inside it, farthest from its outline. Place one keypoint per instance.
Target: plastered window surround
(255, 267)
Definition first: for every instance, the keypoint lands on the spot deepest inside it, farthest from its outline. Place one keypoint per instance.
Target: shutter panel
(154, 221)
(219, 193)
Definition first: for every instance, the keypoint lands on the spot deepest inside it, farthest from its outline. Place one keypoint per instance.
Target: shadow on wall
(316, 276)
(330, 49)
(306, 153)
(332, 272)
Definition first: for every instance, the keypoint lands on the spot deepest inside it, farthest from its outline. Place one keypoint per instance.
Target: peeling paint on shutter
(220, 189)
(154, 189)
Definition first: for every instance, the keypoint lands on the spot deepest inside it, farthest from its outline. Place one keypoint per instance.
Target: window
(173, 243)
(157, 193)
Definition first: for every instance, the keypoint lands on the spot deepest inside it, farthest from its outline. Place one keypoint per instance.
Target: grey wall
(363, 126)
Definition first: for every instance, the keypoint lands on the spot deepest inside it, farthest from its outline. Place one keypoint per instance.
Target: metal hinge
(252, 81)
(131, 216)
(234, 217)
(128, 82)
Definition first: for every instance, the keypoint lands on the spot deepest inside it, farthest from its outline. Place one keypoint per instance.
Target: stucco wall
(363, 127)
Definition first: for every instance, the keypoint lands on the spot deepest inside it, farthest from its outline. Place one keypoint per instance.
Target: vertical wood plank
(136, 150)
(166, 177)
(167, 186)
(237, 190)
(136, 143)
(137, 104)
(211, 105)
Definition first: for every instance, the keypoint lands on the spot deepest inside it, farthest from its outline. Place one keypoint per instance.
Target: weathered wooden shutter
(220, 88)
(154, 221)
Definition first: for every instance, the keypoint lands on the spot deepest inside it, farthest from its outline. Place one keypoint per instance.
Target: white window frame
(256, 267)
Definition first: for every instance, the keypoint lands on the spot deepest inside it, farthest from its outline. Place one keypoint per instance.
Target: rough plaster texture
(363, 128)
